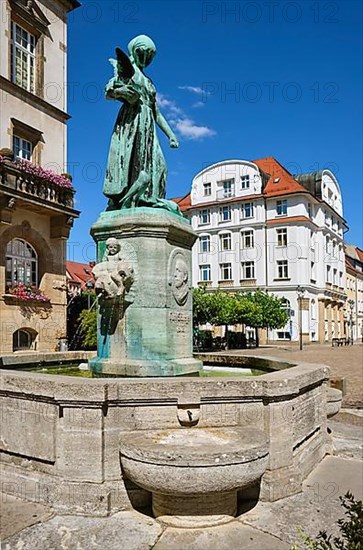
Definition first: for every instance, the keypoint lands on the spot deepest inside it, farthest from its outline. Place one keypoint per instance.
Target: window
(341, 278)
(207, 189)
(284, 335)
(228, 188)
(24, 339)
(22, 148)
(247, 210)
(328, 274)
(282, 269)
(226, 272)
(247, 239)
(327, 245)
(309, 210)
(335, 276)
(245, 182)
(21, 263)
(281, 237)
(225, 241)
(248, 270)
(225, 214)
(281, 207)
(22, 58)
(204, 216)
(204, 243)
(204, 273)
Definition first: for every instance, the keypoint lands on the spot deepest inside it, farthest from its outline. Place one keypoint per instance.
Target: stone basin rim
(244, 445)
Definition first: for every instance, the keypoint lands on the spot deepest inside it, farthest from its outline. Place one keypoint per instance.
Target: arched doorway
(24, 339)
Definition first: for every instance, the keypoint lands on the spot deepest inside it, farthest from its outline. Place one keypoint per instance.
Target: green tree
(254, 309)
(88, 324)
(268, 311)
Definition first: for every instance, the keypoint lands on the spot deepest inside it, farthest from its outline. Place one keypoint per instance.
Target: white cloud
(198, 104)
(168, 104)
(190, 130)
(194, 90)
(178, 119)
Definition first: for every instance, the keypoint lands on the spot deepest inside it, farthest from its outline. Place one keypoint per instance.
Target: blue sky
(237, 80)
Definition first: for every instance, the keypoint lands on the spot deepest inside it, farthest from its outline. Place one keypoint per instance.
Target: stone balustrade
(32, 187)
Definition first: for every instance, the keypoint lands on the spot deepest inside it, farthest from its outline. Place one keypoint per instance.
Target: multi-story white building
(260, 227)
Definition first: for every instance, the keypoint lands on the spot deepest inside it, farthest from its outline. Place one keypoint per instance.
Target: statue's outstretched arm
(164, 126)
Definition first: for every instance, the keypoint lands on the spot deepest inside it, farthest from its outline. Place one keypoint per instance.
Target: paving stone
(231, 536)
(316, 508)
(347, 439)
(123, 531)
(16, 515)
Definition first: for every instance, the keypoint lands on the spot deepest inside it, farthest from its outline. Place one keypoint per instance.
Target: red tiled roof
(359, 253)
(286, 183)
(183, 202)
(80, 273)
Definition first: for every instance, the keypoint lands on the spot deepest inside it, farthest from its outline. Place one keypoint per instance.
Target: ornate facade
(36, 197)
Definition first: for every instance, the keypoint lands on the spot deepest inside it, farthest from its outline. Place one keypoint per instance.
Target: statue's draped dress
(134, 144)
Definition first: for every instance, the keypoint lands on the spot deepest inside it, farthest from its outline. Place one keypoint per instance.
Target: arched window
(23, 339)
(21, 263)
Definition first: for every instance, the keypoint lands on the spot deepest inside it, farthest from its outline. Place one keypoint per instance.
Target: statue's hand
(126, 93)
(173, 142)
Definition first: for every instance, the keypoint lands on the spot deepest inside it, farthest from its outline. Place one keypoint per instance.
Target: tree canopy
(257, 309)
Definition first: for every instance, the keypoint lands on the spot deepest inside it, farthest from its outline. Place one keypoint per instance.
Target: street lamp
(300, 294)
(351, 305)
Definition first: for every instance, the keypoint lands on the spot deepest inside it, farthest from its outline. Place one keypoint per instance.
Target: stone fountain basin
(191, 461)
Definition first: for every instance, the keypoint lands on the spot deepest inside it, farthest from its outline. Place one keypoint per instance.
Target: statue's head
(112, 246)
(142, 49)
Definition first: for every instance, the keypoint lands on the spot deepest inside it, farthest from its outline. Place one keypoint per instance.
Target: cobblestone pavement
(344, 361)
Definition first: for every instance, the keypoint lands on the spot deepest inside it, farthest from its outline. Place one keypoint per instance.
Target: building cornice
(224, 202)
(33, 100)
(291, 219)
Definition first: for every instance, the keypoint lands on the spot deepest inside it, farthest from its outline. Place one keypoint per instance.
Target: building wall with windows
(35, 214)
(354, 291)
(33, 67)
(261, 227)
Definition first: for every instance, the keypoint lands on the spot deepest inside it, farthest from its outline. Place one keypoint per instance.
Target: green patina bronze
(136, 169)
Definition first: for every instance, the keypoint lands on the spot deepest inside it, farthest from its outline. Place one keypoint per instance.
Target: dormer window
(207, 187)
(22, 58)
(228, 188)
(245, 182)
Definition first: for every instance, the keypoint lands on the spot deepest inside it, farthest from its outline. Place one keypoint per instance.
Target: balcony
(224, 194)
(23, 183)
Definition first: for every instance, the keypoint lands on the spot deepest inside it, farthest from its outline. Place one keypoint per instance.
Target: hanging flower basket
(28, 293)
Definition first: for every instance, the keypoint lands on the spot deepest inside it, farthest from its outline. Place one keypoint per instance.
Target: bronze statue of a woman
(136, 168)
